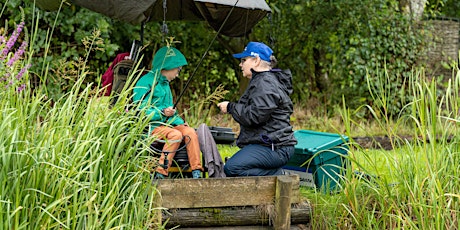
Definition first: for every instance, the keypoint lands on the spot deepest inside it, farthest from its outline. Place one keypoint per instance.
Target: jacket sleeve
(144, 93)
(176, 120)
(264, 98)
(154, 113)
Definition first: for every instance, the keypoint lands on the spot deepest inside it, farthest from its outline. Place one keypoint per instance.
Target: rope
(164, 27)
(142, 33)
(271, 39)
(246, 24)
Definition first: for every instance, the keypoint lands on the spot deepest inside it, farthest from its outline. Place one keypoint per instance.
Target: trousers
(173, 137)
(258, 160)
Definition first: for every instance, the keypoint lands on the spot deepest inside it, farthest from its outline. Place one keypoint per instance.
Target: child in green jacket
(154, 93)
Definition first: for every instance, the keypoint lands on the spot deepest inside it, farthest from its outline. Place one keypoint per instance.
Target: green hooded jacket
(153, 103)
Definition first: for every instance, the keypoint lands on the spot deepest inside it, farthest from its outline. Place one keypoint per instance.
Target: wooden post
(283, 203)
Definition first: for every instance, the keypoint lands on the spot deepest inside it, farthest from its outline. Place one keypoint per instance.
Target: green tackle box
(319, 159)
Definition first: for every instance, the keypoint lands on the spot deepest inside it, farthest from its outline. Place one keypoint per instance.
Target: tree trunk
(414, 8)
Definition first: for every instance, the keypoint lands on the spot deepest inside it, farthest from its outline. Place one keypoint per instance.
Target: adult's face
(246, 64)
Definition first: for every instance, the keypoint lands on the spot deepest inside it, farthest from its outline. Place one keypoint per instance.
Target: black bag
(121, 72)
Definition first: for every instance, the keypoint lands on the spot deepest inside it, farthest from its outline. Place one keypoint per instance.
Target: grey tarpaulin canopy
(245, 15)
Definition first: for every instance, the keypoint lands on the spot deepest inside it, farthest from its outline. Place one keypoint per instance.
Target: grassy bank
(413, 186)
(76, 163)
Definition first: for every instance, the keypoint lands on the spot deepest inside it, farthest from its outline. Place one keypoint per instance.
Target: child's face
(171, 74)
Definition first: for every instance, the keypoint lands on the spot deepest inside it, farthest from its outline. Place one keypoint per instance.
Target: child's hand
(169, 111)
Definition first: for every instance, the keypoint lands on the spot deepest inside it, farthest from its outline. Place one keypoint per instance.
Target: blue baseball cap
(256, 49)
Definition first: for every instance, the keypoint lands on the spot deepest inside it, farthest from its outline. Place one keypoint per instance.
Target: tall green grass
(74, 165)
(414, 186)
(70, 163)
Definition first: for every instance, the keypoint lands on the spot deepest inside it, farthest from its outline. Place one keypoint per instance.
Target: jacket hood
(168, 58)
(285, 78)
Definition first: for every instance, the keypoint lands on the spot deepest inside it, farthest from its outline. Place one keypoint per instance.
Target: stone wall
(444, 44)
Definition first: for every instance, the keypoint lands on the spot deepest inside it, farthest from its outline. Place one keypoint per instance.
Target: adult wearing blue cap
(266, 137)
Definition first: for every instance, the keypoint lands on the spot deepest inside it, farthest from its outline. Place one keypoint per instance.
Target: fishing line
(202, 58)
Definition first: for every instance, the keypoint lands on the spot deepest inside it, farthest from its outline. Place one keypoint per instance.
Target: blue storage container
(321, 154)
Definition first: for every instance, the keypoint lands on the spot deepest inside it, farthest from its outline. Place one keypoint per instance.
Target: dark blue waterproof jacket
(264, 110)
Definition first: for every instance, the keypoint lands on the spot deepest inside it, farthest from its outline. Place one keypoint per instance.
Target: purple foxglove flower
(23, 70)
(17, 54)
(12, 40)
(21, 88)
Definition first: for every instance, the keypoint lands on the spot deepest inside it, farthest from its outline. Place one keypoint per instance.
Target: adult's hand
(223, 106)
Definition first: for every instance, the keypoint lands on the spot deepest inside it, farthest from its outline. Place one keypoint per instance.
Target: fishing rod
(201, 60)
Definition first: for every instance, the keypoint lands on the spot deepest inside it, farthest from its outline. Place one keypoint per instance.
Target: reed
(69, 163)
(413, 186)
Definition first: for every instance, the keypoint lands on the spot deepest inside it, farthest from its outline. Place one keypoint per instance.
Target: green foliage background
(337, 43)
(330, 46)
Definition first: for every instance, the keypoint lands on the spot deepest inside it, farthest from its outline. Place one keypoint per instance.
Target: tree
(414, 8)
(445, 8)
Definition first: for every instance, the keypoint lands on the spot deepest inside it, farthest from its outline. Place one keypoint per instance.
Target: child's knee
(175, 135)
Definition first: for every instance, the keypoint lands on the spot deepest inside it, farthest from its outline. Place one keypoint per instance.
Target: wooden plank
(294, 227)
(232, 216)
(221, 192)
(283, 203)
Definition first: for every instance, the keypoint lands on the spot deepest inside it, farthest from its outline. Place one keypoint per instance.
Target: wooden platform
(269, 201)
